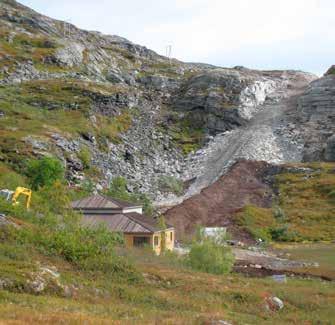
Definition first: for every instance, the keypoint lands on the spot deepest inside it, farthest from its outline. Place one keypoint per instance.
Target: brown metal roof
(99, 201)
(126, 223)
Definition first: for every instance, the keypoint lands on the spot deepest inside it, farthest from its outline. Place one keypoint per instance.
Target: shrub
(146, 203)
(207, 256)
(257, 221)
(112, 265)
(60, 202)
(70, 240)
(282, 233)
(171, 184)
(10, 180)
(85, 156)
(118, 190)
(279, 214)
(44, 172)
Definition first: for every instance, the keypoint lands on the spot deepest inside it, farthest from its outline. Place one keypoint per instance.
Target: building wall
(169, 241)
(156, 244)
(135, 209)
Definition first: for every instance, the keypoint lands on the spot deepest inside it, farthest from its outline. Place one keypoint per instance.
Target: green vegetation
(186, 133)
(304, 211)
(85, 156)
(44, 172)
(257, 221)
(211, 257)
(10, 179)
(51, 229)
(118, 190)
(23, 47)
(307, 202)
(107, 283)
(331, 70)
(171, 184)
(40, 108)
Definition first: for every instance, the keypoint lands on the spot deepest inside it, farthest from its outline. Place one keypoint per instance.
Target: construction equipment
(14, 195)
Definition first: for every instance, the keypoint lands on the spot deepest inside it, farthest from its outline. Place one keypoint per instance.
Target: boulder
(70, 55)
(274, 304)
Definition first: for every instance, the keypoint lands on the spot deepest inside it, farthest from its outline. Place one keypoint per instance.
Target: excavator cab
(14, 196)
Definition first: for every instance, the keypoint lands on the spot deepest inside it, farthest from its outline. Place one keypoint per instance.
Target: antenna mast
(168, 51)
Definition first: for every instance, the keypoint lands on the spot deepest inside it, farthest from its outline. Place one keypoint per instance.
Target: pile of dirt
(247, 182)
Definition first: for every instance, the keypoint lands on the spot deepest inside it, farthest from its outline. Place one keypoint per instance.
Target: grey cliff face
(317, 115)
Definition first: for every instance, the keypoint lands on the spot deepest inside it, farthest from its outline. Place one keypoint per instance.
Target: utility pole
(168, 51)
(67, 28)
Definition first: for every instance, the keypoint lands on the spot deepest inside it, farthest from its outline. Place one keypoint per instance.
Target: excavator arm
(22, 191)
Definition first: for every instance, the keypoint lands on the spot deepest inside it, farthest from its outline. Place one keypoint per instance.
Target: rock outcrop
(316, 115)
(166, 109)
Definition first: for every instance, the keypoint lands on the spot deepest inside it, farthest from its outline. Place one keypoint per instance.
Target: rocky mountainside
(108, 107)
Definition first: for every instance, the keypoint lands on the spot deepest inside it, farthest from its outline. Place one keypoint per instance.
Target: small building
(217, 234)
(127, 218)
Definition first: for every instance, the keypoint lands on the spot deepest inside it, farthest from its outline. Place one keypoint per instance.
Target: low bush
(282, 233)
(44, 172)
(70, 240)
(257, 221)
(85, 156)
(118, 189)
(112, 265)
(171, 184)
(207, 256)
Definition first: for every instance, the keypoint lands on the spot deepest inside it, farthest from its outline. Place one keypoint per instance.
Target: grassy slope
(166, 291)
(306, 204)
(27, 113)
(168, 295)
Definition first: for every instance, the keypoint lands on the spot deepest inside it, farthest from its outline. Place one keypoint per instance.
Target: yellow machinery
(22, 191)
(14, 195)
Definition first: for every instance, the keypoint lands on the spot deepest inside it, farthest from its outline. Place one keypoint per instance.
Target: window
(171, 236)
(156, 240)
(141, 241)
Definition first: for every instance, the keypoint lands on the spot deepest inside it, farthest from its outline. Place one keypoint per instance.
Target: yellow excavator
(14, 195)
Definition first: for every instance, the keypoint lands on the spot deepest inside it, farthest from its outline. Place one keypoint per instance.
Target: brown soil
(217, 204)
